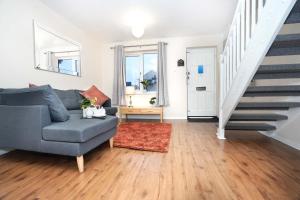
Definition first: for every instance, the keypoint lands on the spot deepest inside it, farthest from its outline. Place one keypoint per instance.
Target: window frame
(141, 68)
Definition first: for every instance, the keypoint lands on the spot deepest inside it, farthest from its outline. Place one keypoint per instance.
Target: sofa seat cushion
(71, 112)
(77, 129)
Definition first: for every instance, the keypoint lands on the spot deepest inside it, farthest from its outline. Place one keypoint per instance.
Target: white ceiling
(105, 18)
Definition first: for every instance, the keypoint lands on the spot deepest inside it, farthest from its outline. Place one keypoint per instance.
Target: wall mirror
(55, 53)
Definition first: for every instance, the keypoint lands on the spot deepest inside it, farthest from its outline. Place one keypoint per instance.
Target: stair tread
(257, 117)
(277, 88)
(282, 71)
(284, 68)
(282, 90)
(249, 126)
(271, 75)
(267, 105)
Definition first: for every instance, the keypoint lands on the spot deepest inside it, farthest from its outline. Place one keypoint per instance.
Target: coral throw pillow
(32, 85)
(95, 92)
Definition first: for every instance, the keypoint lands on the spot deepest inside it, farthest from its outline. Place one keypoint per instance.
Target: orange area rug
(146, 136)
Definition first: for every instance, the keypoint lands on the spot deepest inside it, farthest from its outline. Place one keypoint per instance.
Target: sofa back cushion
(43, 95)
(70, 98)
(1, 90)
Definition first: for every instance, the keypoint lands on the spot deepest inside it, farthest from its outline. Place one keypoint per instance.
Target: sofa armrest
(21, 126)
(111, 110)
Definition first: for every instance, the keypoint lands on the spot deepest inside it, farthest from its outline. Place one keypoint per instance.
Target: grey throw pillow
(42, 95)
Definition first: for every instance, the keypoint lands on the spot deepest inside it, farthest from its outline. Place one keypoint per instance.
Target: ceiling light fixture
(137, 20)
(137, 31)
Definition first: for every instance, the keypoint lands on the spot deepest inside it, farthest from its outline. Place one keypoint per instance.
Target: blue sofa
(28, 124)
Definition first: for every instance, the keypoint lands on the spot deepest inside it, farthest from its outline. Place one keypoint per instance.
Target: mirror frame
(50, 31)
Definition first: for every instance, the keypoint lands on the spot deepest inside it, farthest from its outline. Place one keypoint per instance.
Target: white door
(201, 82)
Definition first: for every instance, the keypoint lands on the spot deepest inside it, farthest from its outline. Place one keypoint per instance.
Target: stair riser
(293, 18)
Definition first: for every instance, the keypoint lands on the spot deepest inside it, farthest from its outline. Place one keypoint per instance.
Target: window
(150, 70)
(140, 67)
(133, 71)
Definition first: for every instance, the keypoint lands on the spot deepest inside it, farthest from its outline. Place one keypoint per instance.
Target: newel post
(222, 91)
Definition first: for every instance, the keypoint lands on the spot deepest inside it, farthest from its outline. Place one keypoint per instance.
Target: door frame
(215, 76)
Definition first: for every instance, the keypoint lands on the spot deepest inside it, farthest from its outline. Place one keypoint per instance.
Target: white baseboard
(282, 140)
(152, 117)
(287, 142)
(175, 118)
(3, 151)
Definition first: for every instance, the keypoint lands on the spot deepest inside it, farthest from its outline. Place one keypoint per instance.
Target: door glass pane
(150, 70)
(133, 71)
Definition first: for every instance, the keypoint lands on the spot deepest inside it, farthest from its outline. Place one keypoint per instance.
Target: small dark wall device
(180, 63)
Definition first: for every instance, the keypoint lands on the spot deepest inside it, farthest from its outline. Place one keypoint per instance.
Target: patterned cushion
(95, 92)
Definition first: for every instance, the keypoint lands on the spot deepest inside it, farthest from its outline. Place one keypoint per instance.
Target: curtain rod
(141, 45)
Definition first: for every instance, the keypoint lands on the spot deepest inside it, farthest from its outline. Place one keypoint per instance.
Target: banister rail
(254, 27)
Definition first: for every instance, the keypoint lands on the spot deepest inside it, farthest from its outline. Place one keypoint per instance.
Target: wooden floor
(198, 166)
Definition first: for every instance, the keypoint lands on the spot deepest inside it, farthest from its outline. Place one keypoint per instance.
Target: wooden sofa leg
(111, 142)
(80, 163)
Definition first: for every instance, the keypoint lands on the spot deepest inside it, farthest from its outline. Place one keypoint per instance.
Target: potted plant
(87, 106)
(146, 84)
(152, 101)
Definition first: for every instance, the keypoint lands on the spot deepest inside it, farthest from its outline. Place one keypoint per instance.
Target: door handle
(203, 88)
(188, 75)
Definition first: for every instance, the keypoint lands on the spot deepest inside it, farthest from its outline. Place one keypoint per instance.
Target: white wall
(16, 47)
(176, 49)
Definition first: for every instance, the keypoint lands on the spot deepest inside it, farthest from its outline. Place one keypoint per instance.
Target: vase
(89, 112)
(84, 113)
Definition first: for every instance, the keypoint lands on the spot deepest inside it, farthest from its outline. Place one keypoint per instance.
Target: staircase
(251, 98)
(283, 45)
